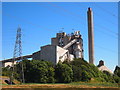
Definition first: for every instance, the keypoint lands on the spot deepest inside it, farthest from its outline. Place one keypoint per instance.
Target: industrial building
(101, 66)
(63, 47)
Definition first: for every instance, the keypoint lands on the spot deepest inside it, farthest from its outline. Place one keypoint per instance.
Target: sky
(40, 21)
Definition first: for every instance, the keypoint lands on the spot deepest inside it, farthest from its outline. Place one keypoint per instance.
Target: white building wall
(9, 64)
(61, 54)
(53, 53)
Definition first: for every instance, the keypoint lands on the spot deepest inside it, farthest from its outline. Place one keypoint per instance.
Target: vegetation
(63, 73)
(66, 86)
(116, 75)
(39, 71)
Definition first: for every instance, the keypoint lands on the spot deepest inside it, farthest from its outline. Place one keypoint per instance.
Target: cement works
(63, 47)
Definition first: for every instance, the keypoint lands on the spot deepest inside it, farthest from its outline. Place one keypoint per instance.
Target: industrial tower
(90, 36)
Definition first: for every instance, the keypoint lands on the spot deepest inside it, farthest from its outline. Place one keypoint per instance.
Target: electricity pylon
(18, 53)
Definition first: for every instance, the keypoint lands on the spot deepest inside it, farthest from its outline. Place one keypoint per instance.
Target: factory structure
(68, 46)
(65, 47)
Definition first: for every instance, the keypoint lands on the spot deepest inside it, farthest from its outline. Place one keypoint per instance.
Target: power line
(47, 28)
(103, 48)
(73, 14)
(95, 45)
(105, 10)
(21, 19)
(104, 28)
(98, 30)
(100, 25)
(106, 20)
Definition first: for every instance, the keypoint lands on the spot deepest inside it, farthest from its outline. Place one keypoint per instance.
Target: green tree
(116, 78)
(63, 73)
(117, 71)
(38, 71)
(85, 76)
(77, 74)
(83, 71)
(6, 71)
(116, 75)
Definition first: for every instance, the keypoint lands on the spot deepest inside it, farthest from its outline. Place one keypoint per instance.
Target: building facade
(63, 47)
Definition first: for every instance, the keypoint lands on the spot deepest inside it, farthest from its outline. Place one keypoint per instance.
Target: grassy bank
(102, 84)
(62, 85)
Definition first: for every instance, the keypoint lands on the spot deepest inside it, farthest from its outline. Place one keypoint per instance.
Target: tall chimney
(90, 36)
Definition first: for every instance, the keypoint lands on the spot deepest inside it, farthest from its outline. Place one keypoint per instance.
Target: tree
(6, 71)
(117, 71)
(77, 74)
(85, 76)
(63, 73)
(83, 71)
(116, 75)
(38, 71)
(116, 78)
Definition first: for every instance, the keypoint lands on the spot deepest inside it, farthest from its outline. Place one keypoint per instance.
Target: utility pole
(18, 53)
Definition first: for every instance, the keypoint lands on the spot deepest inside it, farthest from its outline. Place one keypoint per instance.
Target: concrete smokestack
(90, 36)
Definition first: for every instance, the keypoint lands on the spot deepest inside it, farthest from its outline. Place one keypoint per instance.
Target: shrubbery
(117, 74)
(63, 73)
(39, 71)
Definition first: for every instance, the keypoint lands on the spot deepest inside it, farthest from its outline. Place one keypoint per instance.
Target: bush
(37, 71)
(117, 71)
(85, 76)
(116, 78)
(83, 71)
(76, 73)
(63, 73)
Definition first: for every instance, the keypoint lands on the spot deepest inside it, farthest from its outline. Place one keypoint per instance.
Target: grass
(60, 85)
(105, 84)
(79, 83)
(64, 85)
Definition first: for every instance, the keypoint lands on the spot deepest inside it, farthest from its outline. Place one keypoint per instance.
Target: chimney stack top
(89, 9)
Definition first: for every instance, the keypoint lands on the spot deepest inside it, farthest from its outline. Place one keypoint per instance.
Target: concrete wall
(52, 53)
(48, 53)
(62, 54)
(54, 41)
(36, 56)
(66, 40)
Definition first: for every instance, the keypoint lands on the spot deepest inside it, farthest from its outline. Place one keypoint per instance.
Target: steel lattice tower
(18, 44)
(18, 52)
